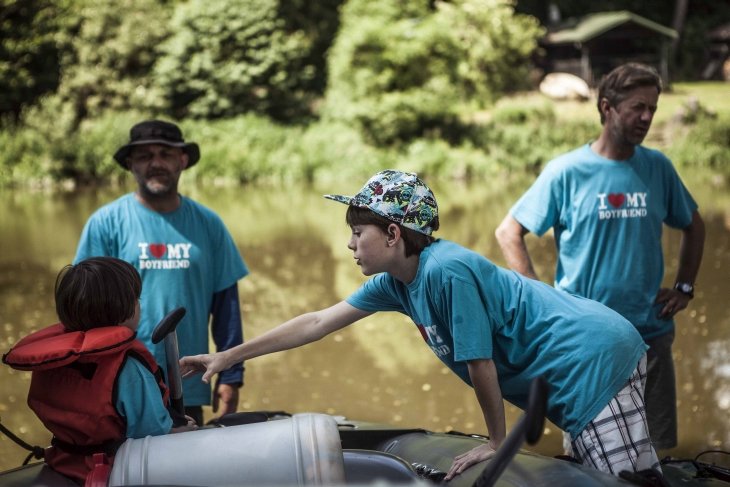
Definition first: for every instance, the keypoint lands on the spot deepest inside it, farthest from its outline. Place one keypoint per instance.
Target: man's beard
(153, 188)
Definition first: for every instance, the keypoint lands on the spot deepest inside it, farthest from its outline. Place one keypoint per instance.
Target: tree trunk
(680, 14)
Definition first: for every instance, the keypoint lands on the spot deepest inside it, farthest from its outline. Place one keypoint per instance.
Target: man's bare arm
(690, 249)
(690, 256)
(511, 238)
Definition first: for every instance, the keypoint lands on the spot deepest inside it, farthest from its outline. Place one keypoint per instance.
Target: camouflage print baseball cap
(398, 196)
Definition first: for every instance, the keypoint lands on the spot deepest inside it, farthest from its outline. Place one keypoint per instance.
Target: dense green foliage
(704, 142)
(514, 137)
(230, 57)
(41, 151)
(170, 57)
(282, 90)
(400, 71)
(107, 58)
(28, 53)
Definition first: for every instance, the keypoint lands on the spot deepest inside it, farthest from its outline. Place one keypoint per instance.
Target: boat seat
(367, 466)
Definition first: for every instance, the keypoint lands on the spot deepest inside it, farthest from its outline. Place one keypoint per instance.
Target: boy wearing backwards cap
(494, 328)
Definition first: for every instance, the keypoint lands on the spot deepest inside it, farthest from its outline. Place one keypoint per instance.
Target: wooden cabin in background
(593, 45)
(718, 62)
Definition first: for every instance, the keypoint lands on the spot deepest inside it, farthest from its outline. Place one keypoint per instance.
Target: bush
(390, 75)
(230, 57)
(242, 149)
(24, 157)
(251, 148)
(109, 48)
(28, 53)
(703, 143)
(402, 71)
(333, 151)
(494, 46)
(523, 137)
(516, 136)
(47, 147)
(433, 158)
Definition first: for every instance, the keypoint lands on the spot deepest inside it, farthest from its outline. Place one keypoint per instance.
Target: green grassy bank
(519, 134)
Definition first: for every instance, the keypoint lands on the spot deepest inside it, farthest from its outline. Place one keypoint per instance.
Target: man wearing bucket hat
(183, 252)
(494, 328)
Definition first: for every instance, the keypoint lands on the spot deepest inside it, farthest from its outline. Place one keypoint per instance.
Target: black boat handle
(165, 330)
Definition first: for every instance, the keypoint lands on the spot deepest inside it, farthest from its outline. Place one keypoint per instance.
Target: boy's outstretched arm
(483, 374)
(303, 329)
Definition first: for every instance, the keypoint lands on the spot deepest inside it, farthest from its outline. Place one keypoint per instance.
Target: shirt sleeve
(93, 241)
(538, 209)
(139, 401)
(377, 294)
(227, 329)
(679, 202)
(469, 321)
(229, 264)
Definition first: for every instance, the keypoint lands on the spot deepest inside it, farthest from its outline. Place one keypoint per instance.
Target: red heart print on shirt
(158, 250)
(616, 199)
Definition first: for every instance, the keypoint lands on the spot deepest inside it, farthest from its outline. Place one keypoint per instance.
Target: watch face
(684, 287)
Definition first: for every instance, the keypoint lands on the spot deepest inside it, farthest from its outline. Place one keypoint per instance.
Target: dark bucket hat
(157, 132)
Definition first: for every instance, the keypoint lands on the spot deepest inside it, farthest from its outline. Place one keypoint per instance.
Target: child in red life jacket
(94, 384)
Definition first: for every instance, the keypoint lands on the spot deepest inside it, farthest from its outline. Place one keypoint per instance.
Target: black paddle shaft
(165, 330)
(167, 324)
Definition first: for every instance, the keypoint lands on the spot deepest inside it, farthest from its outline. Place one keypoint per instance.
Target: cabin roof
(585, 28)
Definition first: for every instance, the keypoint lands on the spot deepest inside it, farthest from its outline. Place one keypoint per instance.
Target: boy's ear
(393, 233)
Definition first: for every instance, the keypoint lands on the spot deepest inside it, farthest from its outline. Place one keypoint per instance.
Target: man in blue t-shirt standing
(183, 252)
(606, 202)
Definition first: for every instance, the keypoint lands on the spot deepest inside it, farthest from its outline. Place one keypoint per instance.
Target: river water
(294, 242)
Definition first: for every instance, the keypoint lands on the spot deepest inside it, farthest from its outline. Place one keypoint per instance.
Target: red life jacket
(73, 390)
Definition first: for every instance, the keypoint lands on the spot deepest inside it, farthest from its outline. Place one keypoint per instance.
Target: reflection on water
(294, 241)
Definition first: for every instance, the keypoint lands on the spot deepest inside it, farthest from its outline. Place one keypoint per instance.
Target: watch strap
(685, 288)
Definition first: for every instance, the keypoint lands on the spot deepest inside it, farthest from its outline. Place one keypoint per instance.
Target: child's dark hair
(415, 241)
(616, 85)
(100, 291)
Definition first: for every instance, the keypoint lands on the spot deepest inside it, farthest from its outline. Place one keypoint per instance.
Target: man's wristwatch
(685, 288)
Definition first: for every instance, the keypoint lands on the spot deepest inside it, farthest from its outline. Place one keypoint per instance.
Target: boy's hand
(473, 456)
(209, 364)
(190, 426)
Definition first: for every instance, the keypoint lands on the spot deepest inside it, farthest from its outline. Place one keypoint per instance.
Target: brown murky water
(294, 242)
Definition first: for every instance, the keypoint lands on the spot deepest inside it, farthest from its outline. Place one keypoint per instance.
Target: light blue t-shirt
(139, 401)
(467, 308)
(607, 218)
(183, 257)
